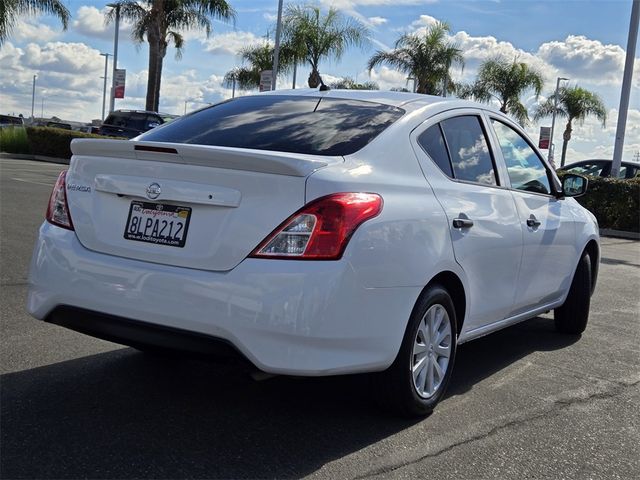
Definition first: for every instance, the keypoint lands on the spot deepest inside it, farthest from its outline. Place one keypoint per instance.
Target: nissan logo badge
(153, 191)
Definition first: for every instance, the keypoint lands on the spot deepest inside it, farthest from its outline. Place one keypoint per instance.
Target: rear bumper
(142, 334)
(287, 317)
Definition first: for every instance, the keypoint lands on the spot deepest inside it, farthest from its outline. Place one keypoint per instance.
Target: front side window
(469, 150)
(526, 170)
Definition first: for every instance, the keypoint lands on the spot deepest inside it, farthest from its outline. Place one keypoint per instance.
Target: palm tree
(347, 83)
(11, 9)
(259, 58)
(428, 58)
(314, 36)
(574, 103)
(506, 82)
(160, 22)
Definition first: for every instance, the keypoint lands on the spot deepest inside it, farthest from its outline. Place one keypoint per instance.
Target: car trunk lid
(227, 199)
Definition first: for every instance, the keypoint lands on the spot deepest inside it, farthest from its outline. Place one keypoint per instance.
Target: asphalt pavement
(525, 402)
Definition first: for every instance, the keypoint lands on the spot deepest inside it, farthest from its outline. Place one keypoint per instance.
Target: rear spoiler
(279, 163)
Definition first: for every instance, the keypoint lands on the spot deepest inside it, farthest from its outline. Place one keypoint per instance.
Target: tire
(398, 388)
(573, 315)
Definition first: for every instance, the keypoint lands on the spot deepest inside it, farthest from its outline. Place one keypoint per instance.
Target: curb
(608, 232)
(37, 158)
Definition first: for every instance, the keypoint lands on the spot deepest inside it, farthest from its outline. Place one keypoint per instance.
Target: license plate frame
(147, 220)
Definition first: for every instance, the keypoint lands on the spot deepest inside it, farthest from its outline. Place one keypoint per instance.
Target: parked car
(10, 120)
(61, 125)
(318, 233)
(131, 123)
(602, 168)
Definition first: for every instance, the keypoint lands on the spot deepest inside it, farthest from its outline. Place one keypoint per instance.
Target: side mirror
(574, 185)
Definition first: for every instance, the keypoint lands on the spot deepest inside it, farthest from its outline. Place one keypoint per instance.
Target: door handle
(462, 223)
(533, 222)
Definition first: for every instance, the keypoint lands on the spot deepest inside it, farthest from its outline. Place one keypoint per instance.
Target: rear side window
(306, 125)
(432, 141)
(470, 156)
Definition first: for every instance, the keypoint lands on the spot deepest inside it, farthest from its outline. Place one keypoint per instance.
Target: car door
(549, 249)
(484, 225)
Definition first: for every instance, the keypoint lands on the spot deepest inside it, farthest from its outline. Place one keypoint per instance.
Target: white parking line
(31, 181)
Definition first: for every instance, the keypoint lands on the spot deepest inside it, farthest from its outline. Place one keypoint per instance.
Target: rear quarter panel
(409, 242)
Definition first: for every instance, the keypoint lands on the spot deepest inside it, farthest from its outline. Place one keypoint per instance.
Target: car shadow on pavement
(485, 356)
(124, 414)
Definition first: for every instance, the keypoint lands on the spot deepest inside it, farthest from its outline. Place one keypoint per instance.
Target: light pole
(233, 91)
(104, 87)
(42, 107)
(115, 56)
(33, 96)
(414, 83)
(553, 121)
(626, 88)
(276, 48)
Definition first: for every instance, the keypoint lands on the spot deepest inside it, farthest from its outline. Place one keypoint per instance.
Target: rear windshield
(306, 125)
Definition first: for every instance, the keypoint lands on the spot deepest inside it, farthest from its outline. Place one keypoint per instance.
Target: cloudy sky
(582, 40)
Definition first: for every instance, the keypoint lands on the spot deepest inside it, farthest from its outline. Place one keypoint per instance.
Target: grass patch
(14, 140)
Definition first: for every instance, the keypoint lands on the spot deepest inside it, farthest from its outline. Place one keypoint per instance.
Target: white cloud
(422, 23)
(90, 22)
(387, 78)
(63, 58)
(352, 4)
(585, 59)
(230, 43)
(29, 29)
(270, 17)
(375, 21)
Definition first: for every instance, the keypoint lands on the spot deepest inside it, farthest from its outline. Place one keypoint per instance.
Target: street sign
(120, 80)
(265, 80)
(545, 136)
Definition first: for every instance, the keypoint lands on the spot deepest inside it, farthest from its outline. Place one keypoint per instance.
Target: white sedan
(318, 233)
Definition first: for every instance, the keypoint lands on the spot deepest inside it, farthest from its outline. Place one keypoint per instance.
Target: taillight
(58, 210)
(321, 229)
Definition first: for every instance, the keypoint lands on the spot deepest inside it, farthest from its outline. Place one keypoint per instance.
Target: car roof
(133, 111)
(591, 160)
(395, 99)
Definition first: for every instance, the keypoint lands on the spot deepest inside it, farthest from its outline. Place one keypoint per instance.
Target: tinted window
(309, 125)
(469, 151)
(628, 171)
(594, 169)
(526, 170)
(138, 121)
(432, 141)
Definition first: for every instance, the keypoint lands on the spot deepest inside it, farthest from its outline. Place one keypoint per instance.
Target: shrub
(54, 142)
(614, 202)
(13, 140)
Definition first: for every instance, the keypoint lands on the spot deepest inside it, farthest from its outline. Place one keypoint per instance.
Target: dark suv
(131, 123)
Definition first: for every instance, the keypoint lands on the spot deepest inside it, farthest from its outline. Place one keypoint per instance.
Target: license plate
(157, 223)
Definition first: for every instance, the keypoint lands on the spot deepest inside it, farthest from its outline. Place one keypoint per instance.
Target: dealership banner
(266, 78)
(545, 135)
(120, 80)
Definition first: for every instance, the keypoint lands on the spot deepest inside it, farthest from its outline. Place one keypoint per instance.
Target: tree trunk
(566, 136)
(156, 36)
(314, 78)
(154, 53)
(163, 52)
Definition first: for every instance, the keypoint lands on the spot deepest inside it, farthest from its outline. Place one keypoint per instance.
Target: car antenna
(323, 87)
